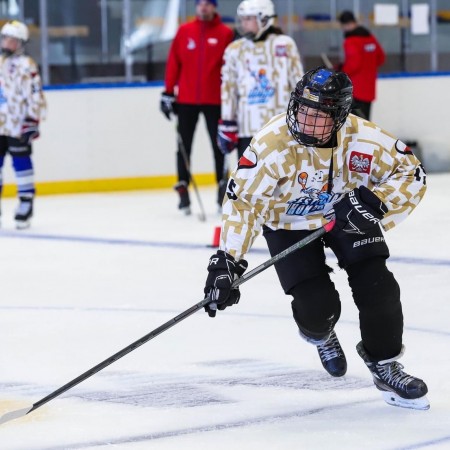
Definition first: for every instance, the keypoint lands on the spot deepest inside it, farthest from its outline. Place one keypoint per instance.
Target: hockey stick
(326, 60)
(157, 331)
(202, 215)
(223, 182)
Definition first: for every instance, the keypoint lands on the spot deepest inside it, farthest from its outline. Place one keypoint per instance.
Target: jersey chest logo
(360, 162)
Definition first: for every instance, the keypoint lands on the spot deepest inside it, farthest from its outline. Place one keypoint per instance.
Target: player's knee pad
(316, 306)
(373, 285)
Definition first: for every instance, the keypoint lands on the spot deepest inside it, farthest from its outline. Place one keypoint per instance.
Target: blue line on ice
(176, 312)
(182, 245)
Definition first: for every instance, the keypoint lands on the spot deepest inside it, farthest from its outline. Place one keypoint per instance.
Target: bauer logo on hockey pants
(374, 240)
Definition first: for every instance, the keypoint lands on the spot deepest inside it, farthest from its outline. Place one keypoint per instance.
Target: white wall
(417, 108)
(119, 132)
(109, 133)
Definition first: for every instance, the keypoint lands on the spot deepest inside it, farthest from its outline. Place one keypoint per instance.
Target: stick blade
(15, 414)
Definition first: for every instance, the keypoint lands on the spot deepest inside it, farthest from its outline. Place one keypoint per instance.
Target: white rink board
(99, 133)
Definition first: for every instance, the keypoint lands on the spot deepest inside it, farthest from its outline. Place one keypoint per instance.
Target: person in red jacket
(192, 86)
(363, 55)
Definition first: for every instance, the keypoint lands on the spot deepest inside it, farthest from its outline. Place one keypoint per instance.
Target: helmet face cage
(320, 95)
(263, 10)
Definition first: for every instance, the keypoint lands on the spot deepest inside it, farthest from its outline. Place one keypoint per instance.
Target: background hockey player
(22, 104)
(306, 166)
(260, 70)
(193, 68)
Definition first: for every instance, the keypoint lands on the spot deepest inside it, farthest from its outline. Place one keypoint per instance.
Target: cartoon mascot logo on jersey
(311, 199)
(263, 90)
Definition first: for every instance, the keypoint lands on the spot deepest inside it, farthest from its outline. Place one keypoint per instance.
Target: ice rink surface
(96, 272)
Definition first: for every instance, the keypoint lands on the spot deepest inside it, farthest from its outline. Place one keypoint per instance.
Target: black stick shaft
(121, 353)
(169, 324)
(270, 262)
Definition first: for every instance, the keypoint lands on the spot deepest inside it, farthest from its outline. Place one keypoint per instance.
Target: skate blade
(22, 224)
(421, 403)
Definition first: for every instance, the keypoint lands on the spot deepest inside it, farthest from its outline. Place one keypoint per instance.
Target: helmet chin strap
(308, 140)
(250, 36)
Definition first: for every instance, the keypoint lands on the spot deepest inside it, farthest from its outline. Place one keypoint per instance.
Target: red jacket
(363, 56)
(195, 60)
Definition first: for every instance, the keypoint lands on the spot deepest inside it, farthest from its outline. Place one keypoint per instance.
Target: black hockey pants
(316, 304)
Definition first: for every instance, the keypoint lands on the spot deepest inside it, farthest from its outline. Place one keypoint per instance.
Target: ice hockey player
(309, 165)
(22, 105)
(260, 70)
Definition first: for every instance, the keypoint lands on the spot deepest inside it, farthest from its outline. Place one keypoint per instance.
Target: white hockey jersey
(257, 79)
(285, 185)
(21, 93)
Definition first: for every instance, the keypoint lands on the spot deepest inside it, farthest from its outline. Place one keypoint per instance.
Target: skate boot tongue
(332, 356)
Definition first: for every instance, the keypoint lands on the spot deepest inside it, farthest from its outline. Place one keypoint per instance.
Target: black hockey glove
(223, 269)
(358, 211)
(167, 105)
(30, 130)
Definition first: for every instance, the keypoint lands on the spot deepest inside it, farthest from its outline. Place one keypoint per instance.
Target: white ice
(96, 272)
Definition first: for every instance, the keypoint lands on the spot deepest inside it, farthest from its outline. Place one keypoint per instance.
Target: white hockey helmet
(263, 10)
(15, 29)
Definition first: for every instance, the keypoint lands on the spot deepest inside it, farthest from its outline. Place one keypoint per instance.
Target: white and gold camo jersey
(21, 93)
(284, 185)
(257, 80)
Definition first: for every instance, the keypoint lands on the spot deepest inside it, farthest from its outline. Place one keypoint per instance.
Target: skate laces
(330, 349)
(393, 374)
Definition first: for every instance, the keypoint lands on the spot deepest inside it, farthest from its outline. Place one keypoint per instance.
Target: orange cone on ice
(216, 237)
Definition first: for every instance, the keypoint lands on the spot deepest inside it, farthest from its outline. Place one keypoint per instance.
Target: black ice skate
(331, 354)
(24, 212)
(398, 388)
(185, 203)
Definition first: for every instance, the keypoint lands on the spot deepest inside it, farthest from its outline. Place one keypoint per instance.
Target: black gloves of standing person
(167, 105)
(223, 269)
(358, 211)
